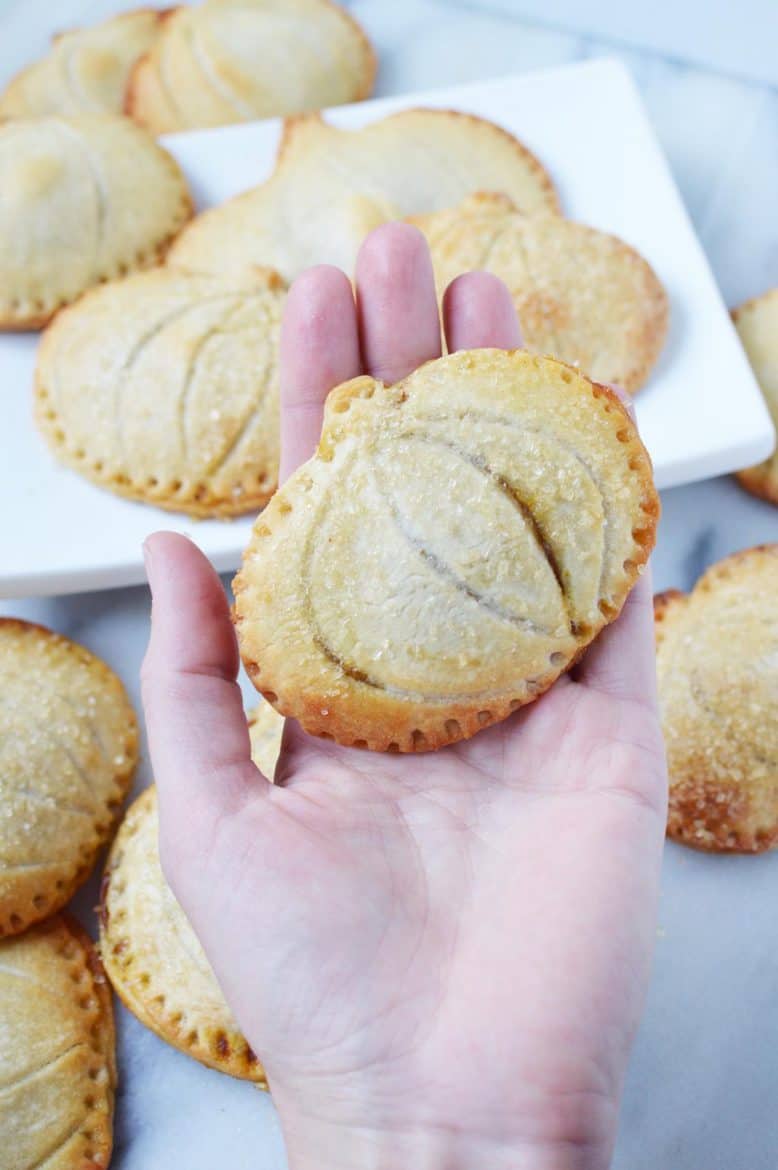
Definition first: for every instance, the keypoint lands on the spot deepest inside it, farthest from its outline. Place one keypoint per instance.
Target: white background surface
(701, 1094)
(701, 413)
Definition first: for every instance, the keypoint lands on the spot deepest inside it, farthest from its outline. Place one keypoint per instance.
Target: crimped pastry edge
(16, 915)
(407, 730)
(226, 1051)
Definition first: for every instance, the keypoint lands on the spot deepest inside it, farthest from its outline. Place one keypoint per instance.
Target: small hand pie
(456, 542)
(238, 60)
(331, 187)
(154, 959)
(84, 199)
(717, 663)
(57, 1051)
(757, 323)
(163, 387)
(581, 295)
(85, 71)
(68, 749)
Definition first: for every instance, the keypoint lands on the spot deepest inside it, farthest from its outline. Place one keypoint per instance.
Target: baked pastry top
(163, 387)
(757, 323)
(581, 295)
(84, 199)
(68, 748)
(227, 61)
(717, 664)
(57, 1051)
(455, 543)
(85, 70)
(331, 187)
(153, 957)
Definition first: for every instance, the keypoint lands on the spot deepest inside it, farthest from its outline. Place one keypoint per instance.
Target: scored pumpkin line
(253, 416)
(136, 351)
(30, 1074)
(57, 1146)
(189, 375)
(200, 56)
(101, 198)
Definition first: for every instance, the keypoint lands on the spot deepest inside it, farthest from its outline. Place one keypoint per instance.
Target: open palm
(440, 959)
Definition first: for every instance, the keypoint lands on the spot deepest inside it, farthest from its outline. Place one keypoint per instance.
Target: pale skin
(441, 959)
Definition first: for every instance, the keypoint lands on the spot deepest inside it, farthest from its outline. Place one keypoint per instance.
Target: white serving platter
(701, 414)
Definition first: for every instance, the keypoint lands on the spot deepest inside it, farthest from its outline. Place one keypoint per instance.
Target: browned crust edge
(225, 1051)
(455, 723)
(17, 916)
(757, 480)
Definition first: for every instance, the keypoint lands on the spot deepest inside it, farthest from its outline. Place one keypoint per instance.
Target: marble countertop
(702, 1086)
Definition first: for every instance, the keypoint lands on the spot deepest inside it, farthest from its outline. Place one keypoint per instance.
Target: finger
(319, 350)
(478, 313)
(397, 307)
(198, 734)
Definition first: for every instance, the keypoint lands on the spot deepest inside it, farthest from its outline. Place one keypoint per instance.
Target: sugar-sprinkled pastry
(581, 295)
(227, 61)
(331, 187)
(85, 70)
(163, 387)
(83, 199)
(455, 543)
(757, 323)
(154, 959)
(717, 662)
(57, 1051)
(68, 748)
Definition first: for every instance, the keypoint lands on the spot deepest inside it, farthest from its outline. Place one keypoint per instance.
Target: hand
(440, 959)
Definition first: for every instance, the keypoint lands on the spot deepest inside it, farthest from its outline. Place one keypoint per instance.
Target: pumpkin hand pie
(580, 294)
(331, 187)
(757, 324)
(57, 1051)
(717, 664)
(225, 61)
(86, 69)
(163, 387)
(68, 749)
(456, 542)
(84, 199)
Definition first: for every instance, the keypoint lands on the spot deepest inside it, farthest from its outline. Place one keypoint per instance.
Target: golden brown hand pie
(68, 748)
(227, 61)
(153, 957)
(57, 1051)
(757, 324)
(581, 295)
(85, 71)
(456, 542)
(717, 662)
(163, 387)
(331, 187)
(84, 199)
